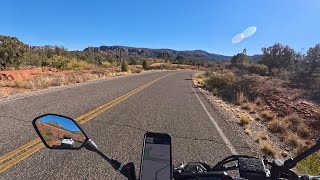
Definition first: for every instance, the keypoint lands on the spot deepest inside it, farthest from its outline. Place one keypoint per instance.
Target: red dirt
(23, 74)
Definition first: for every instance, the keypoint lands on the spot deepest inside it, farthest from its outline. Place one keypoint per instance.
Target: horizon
(215, 27)
(133, 47)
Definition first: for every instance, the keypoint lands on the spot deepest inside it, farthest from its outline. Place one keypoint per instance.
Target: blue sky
(177, 24)
(65, 123)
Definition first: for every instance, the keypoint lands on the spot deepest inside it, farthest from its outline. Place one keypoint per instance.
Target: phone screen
(156, 159)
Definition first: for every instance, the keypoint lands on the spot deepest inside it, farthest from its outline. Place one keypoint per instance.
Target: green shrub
(145, 64)
(219, 80)
(125, 66)
(280, 73)
(75, 64)
(58, 62)
(259, 69)
(240, 58)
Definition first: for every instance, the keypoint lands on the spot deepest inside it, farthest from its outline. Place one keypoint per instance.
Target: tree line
(14, 54)
(278, 60)
(281, 61)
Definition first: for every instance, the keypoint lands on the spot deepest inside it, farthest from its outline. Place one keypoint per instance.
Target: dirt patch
(283, 100)
(23, 74)
(7, 91)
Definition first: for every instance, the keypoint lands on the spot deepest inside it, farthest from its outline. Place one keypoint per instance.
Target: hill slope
(147, 52)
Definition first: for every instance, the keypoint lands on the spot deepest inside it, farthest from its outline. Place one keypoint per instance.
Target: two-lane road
(117, 112)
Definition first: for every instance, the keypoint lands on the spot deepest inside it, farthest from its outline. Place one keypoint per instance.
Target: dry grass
(297, 124)
(244, 120)
(291, 139)
(7, 84)
(263, 135)
(199, 79)
(248, 132)
(266, 115)
(278, 126)
(246, 106)
(200, 76)
(241, 98)
(268, 149)
(44, 81)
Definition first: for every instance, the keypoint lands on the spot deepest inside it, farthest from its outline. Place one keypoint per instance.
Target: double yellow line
(10, 159)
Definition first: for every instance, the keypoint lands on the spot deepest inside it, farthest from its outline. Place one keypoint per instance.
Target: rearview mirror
(59, 132)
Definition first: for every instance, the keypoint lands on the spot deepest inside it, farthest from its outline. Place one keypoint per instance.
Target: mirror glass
(60, 132)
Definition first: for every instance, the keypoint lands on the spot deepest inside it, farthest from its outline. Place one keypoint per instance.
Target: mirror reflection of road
(76, 144)
(54, 133)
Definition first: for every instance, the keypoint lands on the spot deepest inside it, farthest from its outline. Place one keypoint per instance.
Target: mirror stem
(127, 170)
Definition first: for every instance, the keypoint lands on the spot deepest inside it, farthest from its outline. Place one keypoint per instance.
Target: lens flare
(245, 34)
(249, 31)
(237, 38)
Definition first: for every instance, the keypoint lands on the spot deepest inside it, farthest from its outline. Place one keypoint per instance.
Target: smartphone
(156, 160)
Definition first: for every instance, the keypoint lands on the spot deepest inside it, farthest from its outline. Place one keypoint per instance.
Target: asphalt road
(170, 105)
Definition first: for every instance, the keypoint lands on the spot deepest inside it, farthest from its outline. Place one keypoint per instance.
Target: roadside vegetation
(24, 67)
(281, 91)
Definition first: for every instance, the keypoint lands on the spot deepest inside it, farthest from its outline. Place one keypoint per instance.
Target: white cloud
(245, 34)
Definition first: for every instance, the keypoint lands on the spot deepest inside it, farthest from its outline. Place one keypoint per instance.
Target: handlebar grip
(129, 171)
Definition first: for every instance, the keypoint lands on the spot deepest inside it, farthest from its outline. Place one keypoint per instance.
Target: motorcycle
(53, 130)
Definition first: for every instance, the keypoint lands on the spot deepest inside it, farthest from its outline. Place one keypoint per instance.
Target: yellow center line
(113, 103)
(22, 156)
(35, 145)
(82, 117)
(19, 149)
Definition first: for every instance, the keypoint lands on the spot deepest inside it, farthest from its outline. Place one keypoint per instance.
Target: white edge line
(221, 133)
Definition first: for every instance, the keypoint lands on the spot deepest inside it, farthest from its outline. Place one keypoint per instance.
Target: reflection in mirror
(60, 132)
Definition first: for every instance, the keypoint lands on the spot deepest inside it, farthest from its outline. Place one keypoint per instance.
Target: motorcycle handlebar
(307, 177)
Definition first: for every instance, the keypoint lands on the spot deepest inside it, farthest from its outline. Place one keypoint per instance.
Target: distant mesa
(153, 53)
(149, 53)
(162, 53)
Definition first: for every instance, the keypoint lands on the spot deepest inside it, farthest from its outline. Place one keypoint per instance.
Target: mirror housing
(60, 132)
